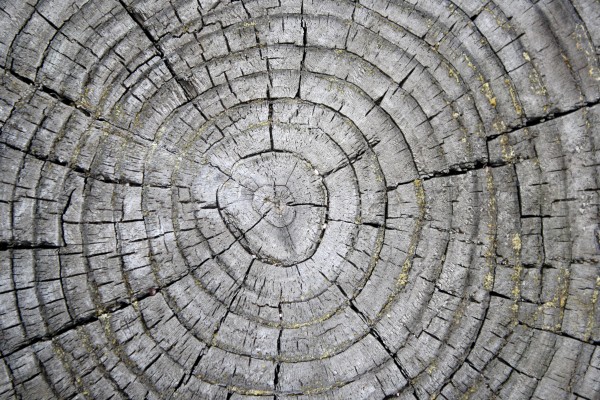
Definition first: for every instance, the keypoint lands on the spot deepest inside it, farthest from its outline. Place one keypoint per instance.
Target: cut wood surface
(316, 199)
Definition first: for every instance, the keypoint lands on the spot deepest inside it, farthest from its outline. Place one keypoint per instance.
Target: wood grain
(316, 199)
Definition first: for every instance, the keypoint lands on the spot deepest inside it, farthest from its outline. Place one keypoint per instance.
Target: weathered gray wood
(316, 199)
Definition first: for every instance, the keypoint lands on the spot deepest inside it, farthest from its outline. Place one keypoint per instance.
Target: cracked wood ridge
(285, 199)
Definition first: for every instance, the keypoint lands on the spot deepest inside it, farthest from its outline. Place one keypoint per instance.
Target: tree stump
(316, 199)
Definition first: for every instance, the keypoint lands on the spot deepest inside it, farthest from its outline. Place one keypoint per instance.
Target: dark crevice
(78, 169)
(502, 296)
(278, 364)
(151, 363)
(403, 81)
(582, 396)
(180, 383)
(561, 333)
(195, 365)
(392, 355)
(55, 95)
(79, 322)
(447, 293)
(350, 160)
(62, 217)
(67, 101)
(375, 334)
(304, 38)
(27, 245)
(292, 204)
(378, 101)
(187, 87)
(270, 116)
(462, 169)
(534, 121)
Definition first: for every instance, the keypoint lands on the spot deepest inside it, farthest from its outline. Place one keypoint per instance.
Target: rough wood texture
(320, 199)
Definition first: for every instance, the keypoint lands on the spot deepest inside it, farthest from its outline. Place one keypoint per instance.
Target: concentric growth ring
(275, 206)
(300, 199)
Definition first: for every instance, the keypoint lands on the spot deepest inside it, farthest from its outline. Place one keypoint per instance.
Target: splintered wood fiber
(300, 199)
